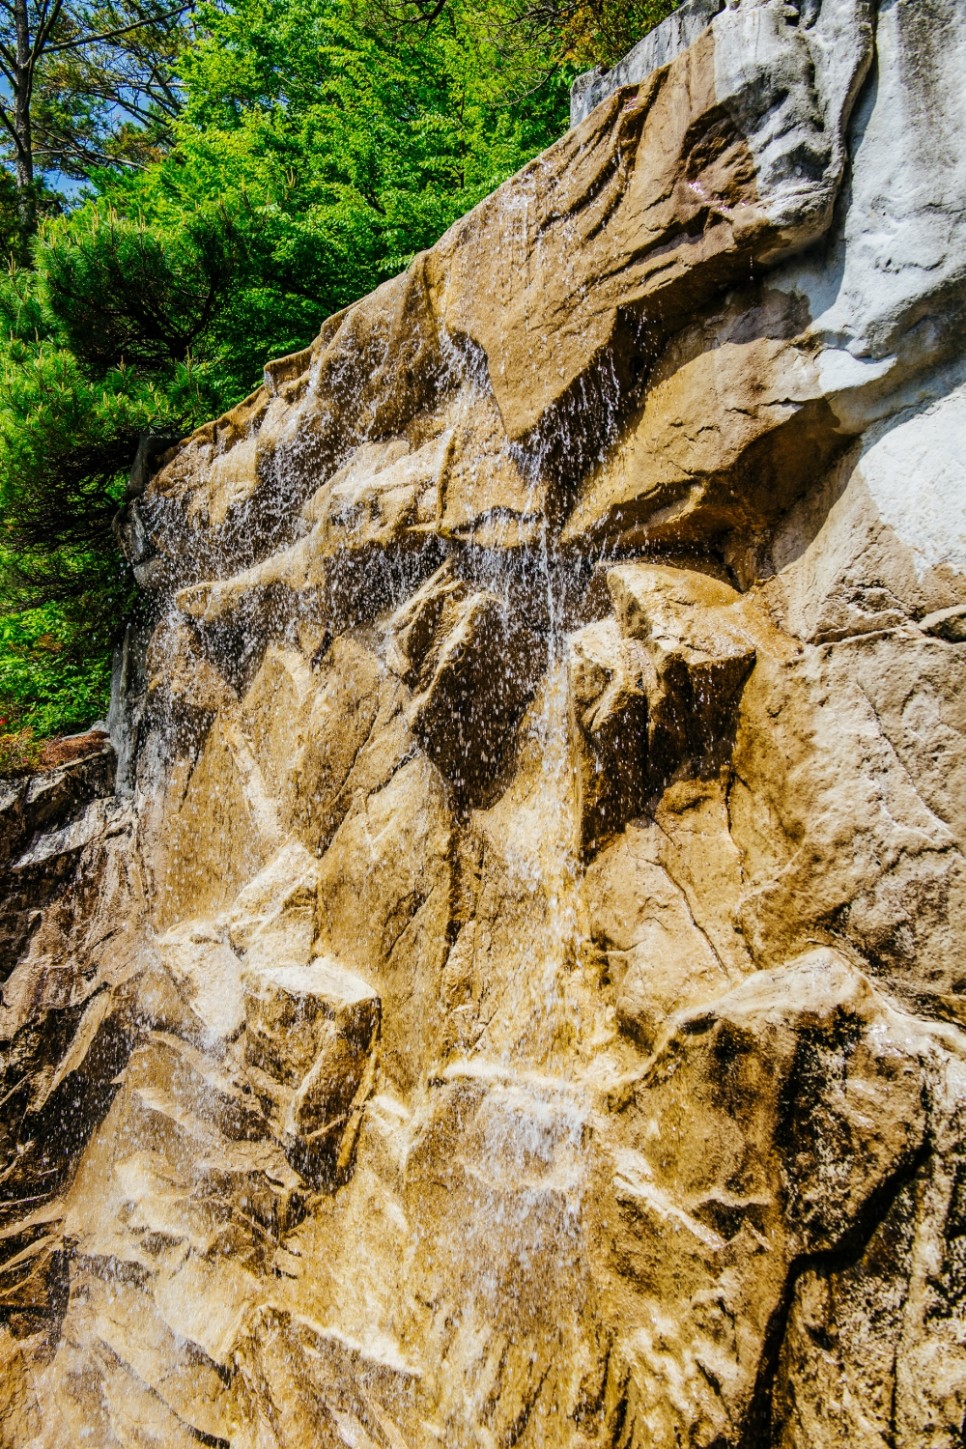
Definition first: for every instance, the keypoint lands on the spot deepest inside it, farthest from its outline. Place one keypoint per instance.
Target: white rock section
(889, 298)
(806, 62)
(812, 54)
(913, 467)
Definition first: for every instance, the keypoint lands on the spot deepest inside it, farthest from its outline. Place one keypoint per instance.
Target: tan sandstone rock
(515, 996)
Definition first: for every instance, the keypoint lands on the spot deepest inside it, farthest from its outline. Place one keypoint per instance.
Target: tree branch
(39, 47)
(82, 40)
(8, 124)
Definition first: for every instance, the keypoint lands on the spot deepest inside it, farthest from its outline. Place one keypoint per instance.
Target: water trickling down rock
(515, 995)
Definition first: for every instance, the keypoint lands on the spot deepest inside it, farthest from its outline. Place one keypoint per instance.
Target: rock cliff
(516, 992)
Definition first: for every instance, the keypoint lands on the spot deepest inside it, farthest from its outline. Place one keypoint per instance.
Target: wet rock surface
(516, 993)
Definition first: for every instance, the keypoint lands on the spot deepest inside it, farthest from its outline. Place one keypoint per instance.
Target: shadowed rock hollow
(515, 995)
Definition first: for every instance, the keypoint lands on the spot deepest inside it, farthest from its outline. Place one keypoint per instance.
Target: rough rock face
(516, 995)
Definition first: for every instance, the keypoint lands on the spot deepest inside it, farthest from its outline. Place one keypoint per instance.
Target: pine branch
(7, 123)
(82, 40)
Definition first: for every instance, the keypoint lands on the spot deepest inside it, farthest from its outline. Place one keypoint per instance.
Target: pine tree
(88, 83)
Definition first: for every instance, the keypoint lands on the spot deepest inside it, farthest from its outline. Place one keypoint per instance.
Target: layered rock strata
(515, 993)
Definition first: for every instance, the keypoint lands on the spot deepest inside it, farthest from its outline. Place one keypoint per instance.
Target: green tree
(547, 34)
(600, 32)
(85, 81)
(342, 147)
(70, 421)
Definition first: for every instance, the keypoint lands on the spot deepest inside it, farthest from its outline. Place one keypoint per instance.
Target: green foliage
(599, 32)
(541, 37)
(97, 79)
(67, 438)
(129, 295)
(52, 681)
(338, 148)
(46, 684)
(69, 429)
(47, 202)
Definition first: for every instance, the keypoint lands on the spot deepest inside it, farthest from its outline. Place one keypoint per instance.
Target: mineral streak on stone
(516, 993)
